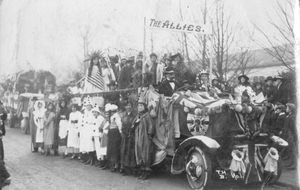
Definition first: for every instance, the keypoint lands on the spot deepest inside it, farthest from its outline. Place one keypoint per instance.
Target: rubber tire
(207, 160)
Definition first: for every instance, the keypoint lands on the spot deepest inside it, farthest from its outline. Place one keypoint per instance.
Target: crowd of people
(117, 134)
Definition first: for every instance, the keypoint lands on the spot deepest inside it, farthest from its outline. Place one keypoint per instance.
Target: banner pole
(210, 59)
(144, 51)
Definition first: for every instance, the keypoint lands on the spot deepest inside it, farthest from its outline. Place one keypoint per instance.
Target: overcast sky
(47, 34)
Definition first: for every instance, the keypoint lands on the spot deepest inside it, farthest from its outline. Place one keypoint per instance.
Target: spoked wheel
(198, 169)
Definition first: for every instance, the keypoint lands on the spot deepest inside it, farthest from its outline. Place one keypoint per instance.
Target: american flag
(96, 80)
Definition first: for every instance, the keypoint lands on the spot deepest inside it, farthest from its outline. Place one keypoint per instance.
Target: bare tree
(283, 53)
(222, 39)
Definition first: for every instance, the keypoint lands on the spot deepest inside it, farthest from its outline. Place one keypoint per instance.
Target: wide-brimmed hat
(243, 76)
(269, 78)
(111, 107)
(203, 72)
(169, 70)
(175, 55)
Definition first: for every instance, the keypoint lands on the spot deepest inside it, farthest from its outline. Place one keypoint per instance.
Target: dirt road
(34, 171)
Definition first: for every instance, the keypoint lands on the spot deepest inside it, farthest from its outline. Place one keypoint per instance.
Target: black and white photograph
(149, 95)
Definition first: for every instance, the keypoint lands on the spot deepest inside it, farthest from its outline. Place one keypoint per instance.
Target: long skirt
(33, 132)
(49, 136)
(73, 138)
(128, 151)
(113, 145)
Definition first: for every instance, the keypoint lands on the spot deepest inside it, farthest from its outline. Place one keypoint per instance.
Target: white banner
(177, 26)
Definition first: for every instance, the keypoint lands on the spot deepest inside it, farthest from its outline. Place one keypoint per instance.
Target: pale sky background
(46, 34)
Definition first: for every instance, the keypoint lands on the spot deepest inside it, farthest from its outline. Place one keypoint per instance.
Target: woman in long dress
(49, 119)
(128, 161)
(38, 118)
(62, 126)
(144, 132)
(73, 131)
(114, 139)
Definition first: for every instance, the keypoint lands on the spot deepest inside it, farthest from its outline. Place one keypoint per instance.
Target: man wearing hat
(169, 85)
(281, 90)
(125, 74)
(269, 89)
(156, 69)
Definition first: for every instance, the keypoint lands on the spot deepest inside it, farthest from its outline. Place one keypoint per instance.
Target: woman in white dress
(73, 131)
(244, 85)
(38, 115)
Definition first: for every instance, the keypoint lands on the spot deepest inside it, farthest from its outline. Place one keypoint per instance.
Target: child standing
(73, 131)
(49, 118)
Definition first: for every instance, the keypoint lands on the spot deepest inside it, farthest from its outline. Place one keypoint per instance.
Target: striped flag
(96, 80)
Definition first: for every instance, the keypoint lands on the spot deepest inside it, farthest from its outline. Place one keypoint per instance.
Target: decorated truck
(215, 139)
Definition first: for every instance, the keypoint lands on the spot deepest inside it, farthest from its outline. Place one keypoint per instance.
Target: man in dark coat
(153, 69)
(290, 153)
(282, 91)
(3, 116)
(269, 90)
(126, 74)
(4, 175)
(169, 85)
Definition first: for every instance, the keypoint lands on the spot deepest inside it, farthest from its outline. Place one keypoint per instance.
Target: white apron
(73, 129)
(39, 122)
(86, 133)
(63, 128)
